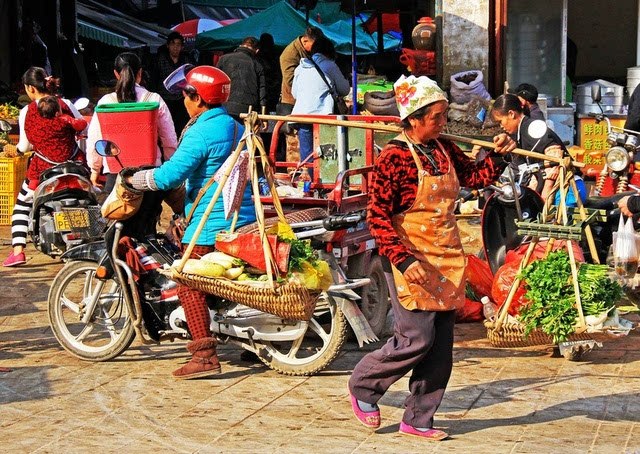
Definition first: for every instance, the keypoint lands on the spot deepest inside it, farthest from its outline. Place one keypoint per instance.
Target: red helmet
(212, 84)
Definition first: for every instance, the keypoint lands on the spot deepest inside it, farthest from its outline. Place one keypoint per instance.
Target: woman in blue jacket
(206, 142)
(314, 81)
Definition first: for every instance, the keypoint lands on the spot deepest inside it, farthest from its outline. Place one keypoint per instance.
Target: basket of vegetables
(268, 269)
(550, 313)
(292, 295)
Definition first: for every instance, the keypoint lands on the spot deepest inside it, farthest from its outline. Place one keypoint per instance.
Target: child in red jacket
(51, 129)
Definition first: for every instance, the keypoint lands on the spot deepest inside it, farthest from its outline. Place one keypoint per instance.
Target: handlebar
(344, 221)
(469, 194)
(328, 224)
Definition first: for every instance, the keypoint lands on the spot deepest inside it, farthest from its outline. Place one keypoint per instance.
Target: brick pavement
(498, 401)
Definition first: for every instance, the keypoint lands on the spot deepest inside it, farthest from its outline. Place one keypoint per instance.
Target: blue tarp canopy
(285, 24)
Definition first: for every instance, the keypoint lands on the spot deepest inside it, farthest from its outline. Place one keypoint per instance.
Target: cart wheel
(375, 297)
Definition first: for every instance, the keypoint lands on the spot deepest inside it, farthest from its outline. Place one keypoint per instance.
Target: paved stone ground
(498, 401)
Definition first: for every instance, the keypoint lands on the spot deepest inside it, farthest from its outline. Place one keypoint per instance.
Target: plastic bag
(479, 276)
(625, 254)
(470, 312)
(502, 281)
(540, 249)
(316, 276)
(467, 84)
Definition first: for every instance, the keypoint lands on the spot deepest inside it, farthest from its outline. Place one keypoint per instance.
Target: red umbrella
(191, 28)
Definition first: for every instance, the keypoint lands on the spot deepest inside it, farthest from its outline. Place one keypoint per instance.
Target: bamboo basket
(511, 335)
(503, 334)
(290, 301)
(287, 300)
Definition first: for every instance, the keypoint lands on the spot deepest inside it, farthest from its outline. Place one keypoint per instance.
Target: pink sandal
(370, 419)
(431, 434)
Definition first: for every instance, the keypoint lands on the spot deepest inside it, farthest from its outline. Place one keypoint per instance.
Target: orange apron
(429, 230)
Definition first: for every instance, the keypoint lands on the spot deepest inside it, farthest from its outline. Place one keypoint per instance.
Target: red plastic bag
(540, 249)
(502, 281)
(506, 273)
(470, 312)
(248, 247)
(479, 276)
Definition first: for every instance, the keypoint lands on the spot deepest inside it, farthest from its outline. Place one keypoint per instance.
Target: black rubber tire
(56, 291)
(375, 297)
(381, 103)
(312, 367)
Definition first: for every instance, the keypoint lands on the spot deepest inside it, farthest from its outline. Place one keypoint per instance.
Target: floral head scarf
(413, 93)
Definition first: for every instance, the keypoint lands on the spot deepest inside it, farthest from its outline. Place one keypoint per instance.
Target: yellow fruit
(220, 258)
(203, 268)
(233, 273)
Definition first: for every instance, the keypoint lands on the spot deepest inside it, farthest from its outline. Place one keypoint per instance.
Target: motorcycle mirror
(596, 95)
(537, 129)
(81, 103)
(5, 126)
(107, 148)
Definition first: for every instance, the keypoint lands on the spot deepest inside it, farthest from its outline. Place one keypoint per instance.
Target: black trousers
(423, 344)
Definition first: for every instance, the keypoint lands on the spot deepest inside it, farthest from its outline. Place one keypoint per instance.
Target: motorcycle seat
(69, 167)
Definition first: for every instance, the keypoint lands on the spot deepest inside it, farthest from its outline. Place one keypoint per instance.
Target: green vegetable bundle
(550, 298)
(301, 251)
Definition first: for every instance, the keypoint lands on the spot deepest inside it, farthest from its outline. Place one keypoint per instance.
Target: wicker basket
(290, 301)
(512, 335)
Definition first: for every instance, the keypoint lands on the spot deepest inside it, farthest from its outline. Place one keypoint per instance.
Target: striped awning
(97, 33)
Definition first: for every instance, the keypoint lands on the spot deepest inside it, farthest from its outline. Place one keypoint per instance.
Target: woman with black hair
(514, 120)
(128, 71)
(53, 139)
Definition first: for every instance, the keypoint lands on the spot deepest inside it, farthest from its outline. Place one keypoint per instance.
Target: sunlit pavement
(519, 400)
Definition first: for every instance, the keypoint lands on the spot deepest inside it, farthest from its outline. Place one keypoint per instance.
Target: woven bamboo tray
(290, 301)
(512, 335)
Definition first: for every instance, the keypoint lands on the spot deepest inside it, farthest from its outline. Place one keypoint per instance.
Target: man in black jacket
(248, 88)
(168, 59)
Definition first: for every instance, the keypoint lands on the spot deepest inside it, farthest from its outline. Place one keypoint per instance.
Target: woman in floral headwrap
(410, 214)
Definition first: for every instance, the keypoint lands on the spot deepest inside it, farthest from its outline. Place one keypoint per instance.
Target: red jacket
(52, 138)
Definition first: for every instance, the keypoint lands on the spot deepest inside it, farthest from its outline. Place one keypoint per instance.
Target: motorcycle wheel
(108, 333)
(375, 297)
(315, 349)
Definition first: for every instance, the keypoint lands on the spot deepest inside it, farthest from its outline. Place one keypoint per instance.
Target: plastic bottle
(304, 182)
(489, 309)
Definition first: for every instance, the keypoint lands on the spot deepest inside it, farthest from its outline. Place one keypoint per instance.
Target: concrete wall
(465, 37)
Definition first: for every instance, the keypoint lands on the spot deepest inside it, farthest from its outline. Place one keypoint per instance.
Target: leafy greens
(550, 297)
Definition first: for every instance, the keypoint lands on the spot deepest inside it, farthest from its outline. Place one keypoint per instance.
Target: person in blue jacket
(314, 82)
(209, 138)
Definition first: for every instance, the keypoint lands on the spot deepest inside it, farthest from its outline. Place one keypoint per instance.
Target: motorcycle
(503, 209)
(65, 209)
(96, 307)
(620, 173)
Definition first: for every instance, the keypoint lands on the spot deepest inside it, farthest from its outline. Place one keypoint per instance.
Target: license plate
(66, 220)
